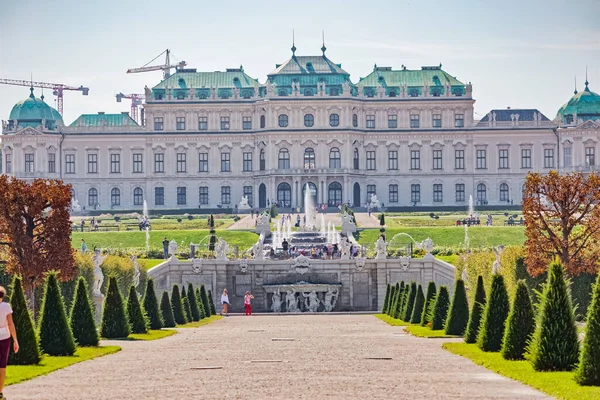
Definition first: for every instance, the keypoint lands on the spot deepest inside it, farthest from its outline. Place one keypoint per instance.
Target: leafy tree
(114, 319)
(386, 300)
(151, 306)
(82, 320)
(135, 313)
(458, 316)
(177, 304)
(476, 312)
(496, 311)
(211, 303)
(408, 307)
(428, 305)
(56, 338)
(561, 218)
(193, 303)
(29, 352)
(520, 325)
(588, 372)
(418, 308)
(167, 311)
(205, 302)
(200, 304)
(555, 344)
(440, 309)
(187, 308)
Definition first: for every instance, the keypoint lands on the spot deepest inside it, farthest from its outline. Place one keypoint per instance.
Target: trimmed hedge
(193, 303)
(151, 306)
(458, 316)
(56, 338)
(440, 309)
(394, 299)
(386, 300)
(167, 311)
(428, 305)
(588, 372)
(496, 311)
(207, 308)
(520, 325)
(137, 316)
(200, 304)
(114, 319)
(177, 305)
(476, 312)
(82, 320)
(188, 310)
(29, 351)
(211, 304)
(398, 302)
(410, 303)
(418, 308)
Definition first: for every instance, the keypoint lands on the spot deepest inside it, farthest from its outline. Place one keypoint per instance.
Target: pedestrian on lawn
(83, 246)
(247, 299)
(225, 302)
(166, 247)
(7, 330)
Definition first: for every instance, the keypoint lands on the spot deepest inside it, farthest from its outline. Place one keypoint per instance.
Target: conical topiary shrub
(588, 372)
(205, 302)
(495, 313)
(211, 304)
(193, 303)
(188, 310)
(29, 351)
(386, 300)
(183, 293)
(398, 303)
(167, 311)
(519, 326)
(408, 307)
(82, 321)
(177, 305)
(151, 306)
(418, 308)
(114, 318)
(555, 344)
(440, 309)
(403, 301)
(388, 310)
(394, 299)
(428, 305)
(200, 304)
(476, 312)
(458, 316)
(56, 338)
(137, 316)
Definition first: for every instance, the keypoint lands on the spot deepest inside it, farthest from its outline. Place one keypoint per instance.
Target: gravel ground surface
(345, 356)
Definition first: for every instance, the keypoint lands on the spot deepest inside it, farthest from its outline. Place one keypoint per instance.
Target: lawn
(202, 322)
(558, 384)
(426, 332)
(148, 263)
(391, 321)
(20, 373)
(152, 334)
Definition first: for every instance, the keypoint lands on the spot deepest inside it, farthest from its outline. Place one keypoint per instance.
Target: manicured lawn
(20, 373)
(148, 263)
(558, 384)
(153, 334)
(202, 322)
(426, 332)
(391, 321)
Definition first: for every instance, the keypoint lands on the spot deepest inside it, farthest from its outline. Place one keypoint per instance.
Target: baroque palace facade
(210, 138)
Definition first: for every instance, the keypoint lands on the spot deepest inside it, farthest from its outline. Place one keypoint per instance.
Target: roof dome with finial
(32, 110)
(585, 105)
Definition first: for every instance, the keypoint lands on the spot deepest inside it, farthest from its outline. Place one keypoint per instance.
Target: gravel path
(327, 359)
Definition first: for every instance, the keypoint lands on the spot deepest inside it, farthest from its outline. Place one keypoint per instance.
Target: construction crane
(57, 89)
(166, 68)
(136, 101)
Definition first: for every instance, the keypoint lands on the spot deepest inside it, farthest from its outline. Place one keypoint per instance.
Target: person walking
(225, 302)
(166, 247)
(83, 246)
(247, 299)
(7, 330)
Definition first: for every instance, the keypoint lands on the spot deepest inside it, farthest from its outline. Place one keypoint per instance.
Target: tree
(211, 303)
(114, 319)
(177, 304)
(34, 228)
(200, 304)
(520, 325)
(56, 338)
(476, 312)
(382, 222)
(588, 372)
(428, 305)
(562, 218)
(493, 323)
(458, 316)
(135, 314)
(408, 307)
(151, 306)
(440, 309)
(213, 239)
(82, 320)
(167, 311)
(418, 308)
(29, 352)
(186, 307)
(205, 303)
(555, 344)
(386, 300)
(193, 303)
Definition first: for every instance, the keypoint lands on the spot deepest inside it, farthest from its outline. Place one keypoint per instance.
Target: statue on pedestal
(498, 253)
(311, 301)
(258, 248)
(331, 298)
(276, 302)
(221, 248)
(291, 301)
(381, 247)
(244, 204)
(98, 275)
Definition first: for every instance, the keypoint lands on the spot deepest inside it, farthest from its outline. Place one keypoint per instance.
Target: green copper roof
(32, 111)
(307, 65)
(433, 76)
(90, 120)
(586, 104)
(228, 79)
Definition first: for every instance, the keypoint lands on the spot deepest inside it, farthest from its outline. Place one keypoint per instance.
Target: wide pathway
(245, 222)
(363, 220)
(347, 356)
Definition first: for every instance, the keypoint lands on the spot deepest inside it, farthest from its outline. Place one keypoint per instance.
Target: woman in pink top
(7, 330)
(247, 298)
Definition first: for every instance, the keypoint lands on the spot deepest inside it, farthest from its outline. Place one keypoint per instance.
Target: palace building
(209, 138)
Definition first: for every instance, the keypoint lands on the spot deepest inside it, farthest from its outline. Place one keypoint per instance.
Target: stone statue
(75, 207)
(258, 248)
(312, 302)
(221, 249)
(330, 298)
(374, 203)
(235, 92)
(173, 248)
(291, 301)
(276, 302)
(381, 247)
(147, 92)
(136, 273)
(263, 219)
(346, 88)
(347, 218)
(98, 275)
(244, 204)
(345, 249)
(498, 253)
(380, 91)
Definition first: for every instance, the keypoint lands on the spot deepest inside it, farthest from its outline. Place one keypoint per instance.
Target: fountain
(471, 206)
(309, 211)
(323, 226)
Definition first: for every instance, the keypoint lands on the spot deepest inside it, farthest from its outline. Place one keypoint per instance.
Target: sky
(516, 53)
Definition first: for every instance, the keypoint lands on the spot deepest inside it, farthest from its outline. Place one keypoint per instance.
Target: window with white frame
(115, 163)
(309, 120)
(159, 196)
(525, 158)
(202, 123)
(29, 162)
(225, 194)
(503, 158)
(138, 196)
(481, 193)
(51, 163)
(371, 160)
(548, 158)
(567, 157)
(158, 124)
(248, 193)
(203, 195)
(225, 162)
(70, 166)
(335, 158)
(334, 120)
(459, 159)
(159, 162)
(225, 123)
(92, 167)
(92, 197)
(392, 159)
(459, 120)
(436, 121)
(415, 159)
(69, 163)
(437, 159)
(392, 121)
(181, 195)
(138, 163)
(309, 158)
(459, 190)
(180, 123)
(371, 121)
(414, 120)
(202, 162)
(247, 161)
(283, 161)
(246, 123)
(356, 159)
(393, 195)
(181, 162)
(283, 120)
(415, 193)
(115, 197)
(504, 192)
(590, 156)
(437, 193)
(371, 190)
(481, 155)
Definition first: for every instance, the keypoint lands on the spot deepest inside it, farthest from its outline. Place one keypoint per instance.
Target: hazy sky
(517, 53)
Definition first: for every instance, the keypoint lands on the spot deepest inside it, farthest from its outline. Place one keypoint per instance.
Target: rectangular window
(202, 123)
(567, 156)
(459, 120)
(181, 162)
(437, 193)
(29, 162)
(225, 194)
(459, 159)
(159, 162)
(9, 164)
(393, 194)
(181, 195)
(525, 158)
(138, 163)
(158, 124)
(225, 162)
(371, 190)
(371, 121)
(414, 121)
(248, 194)
(415, 159)
(590, 156)
(224, 123)
(437, 159)
(371, 160)
(69, 163)
(180, 123)
(202, 162)
(392, 160)
(460, 192)
(246, 123)
(51, 163)
(392, 121)
(247, 166)
(115, 163)
(415, 193)
(548, 158)
(261, 160)
(503, 159)
(436, 122)
(92, 163)
(159, 196)
(203, 195)
(481, 159)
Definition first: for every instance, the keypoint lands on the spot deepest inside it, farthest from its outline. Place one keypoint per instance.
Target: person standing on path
(7, 330)
(225, 302)
(247, 299)
(166, 247)
(83, 246)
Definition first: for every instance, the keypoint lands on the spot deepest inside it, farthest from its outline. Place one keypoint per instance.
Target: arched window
(309, 120)
(355, 120)
(282, 92)
(138, 196)
(334, 120)
(308, 92)
(309, 159)
(284, 195)
(283, 120)
(284, 159)
(392, 93)
(335, 194)
(262, 121)
(504, 192)
(92, 197)
(115, 197)
(481, 193)
(335, 158)
(356, 159)
(262, 160)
